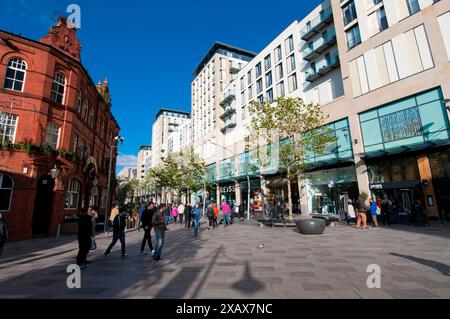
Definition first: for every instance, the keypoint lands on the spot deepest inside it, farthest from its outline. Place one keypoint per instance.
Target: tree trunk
(289, 194)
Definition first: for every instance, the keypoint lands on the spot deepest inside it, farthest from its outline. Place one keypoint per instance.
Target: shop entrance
(43, 206)
(402, 196)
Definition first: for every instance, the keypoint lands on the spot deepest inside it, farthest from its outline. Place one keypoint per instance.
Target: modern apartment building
(127, 174)
(380, 71)
(144, 158)
(216, 70)
(166, 122)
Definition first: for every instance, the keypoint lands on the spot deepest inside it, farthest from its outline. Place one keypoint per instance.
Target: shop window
(72, 194)
(6, 190)
(440, 164)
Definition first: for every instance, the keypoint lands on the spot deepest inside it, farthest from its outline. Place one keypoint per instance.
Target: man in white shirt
(181, 212)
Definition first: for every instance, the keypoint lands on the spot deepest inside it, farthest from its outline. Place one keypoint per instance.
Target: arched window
(93, 201)
(73, 194)
(15, 74)
(86, 109)
(80, 101)
(6, 189)
(58, 88)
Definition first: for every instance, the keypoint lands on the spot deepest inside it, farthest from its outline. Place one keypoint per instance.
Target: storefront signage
(227, 189)
(376, 186)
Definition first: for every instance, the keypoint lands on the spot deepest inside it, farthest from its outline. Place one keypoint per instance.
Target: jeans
(159, 235)
(226, 220)
(211, 221)
(187, 222)
(147, 238)
(196, 225)
(117, 236)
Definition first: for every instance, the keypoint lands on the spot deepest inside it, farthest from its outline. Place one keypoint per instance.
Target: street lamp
(118, 139)
(246, 173)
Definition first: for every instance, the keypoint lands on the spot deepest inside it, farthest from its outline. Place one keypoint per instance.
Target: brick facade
(84, 140)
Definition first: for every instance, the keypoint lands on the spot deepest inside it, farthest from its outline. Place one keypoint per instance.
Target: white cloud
(127, 160)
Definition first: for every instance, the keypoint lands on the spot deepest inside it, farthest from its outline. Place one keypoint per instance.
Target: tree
(127, 191)
(293, 129)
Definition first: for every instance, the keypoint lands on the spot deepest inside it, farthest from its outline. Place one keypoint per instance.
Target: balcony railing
(227, 97)
(228, 124)
(316, 24)
(229, 110)
(235, 67)
(319, 46)
(331, 64)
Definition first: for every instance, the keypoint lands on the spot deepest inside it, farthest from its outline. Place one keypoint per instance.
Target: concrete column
(358, 150)
(426, 176)
(303, 193)
(237, 190)
(219, 200)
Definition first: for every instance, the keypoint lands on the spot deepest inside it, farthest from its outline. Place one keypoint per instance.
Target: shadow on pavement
(442, 268)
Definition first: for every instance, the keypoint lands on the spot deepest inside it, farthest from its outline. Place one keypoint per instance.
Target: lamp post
(117, 138)
(246, 173)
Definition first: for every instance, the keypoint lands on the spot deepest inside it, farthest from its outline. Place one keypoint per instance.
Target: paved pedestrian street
(244, 261)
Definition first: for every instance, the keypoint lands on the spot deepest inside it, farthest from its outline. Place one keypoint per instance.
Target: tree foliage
(293, 129)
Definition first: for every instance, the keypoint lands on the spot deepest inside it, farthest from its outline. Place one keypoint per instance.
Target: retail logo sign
(74, 279)
(374, 279)
(74, 18)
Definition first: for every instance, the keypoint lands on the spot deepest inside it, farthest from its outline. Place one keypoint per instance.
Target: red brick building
(53, 119)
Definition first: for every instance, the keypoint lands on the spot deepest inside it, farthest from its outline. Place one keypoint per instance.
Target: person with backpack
(159, 226)
(119, 226)
(362, 210)
(84, 237)
(374, 213)
(147, 224)
(3, 234)
(210, 214)
(198, 212)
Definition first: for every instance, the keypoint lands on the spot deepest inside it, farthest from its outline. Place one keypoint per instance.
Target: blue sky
(148, 49)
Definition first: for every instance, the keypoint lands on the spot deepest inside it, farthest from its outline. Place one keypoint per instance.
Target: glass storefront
(440, 169)
(399, 181)
(227, 192)
(329, 190)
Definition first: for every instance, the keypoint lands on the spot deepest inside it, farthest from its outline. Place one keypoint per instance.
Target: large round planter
(314, 226)
(327, 218)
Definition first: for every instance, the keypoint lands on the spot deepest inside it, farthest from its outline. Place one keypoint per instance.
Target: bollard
(58, 232)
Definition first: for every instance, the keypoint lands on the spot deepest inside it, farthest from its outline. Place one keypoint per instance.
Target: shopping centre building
(380, 70)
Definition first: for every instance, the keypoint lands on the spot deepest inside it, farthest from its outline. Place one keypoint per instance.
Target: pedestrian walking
(114, 213)
(181, 212)
(374, 213)
(119, 226)
(84, 237)
(210, 214)
(198, 212)
(174, 213)
(188, 215)
(3, 234)
(226, 211)
(216, 214)
(159, 226)
(147, 224)
(386, 211)
(351, 215)
(140, 211)
(362, 209)
(93, 212)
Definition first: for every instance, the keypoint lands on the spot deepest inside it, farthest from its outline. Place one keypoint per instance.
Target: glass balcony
(228, 124)
(319, 46)
(227, 97)
(331, 63)
(235, 67)
(316, 24)
(229, 110)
